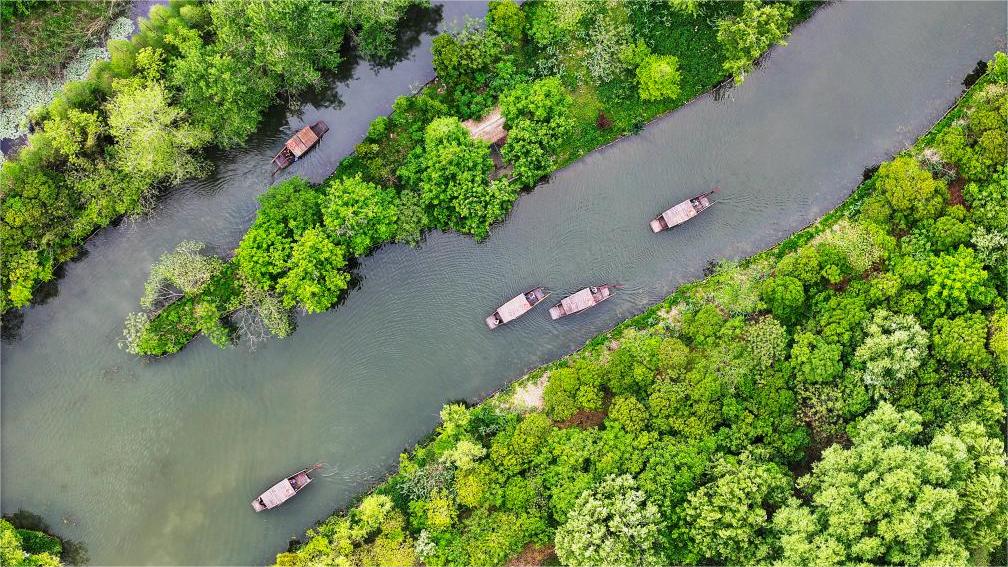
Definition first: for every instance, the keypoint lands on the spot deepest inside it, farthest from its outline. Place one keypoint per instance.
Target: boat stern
(656, 226)
(556, 312)
(492, 321)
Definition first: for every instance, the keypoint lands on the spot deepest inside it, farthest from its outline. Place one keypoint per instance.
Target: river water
(156, 462)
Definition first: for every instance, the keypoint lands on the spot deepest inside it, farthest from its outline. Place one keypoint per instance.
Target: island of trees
(838, 399)
(567, 76)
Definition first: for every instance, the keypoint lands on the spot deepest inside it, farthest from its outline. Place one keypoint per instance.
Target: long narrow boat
(299, 144)
(283, 490)
(683, 212)
(516, 307)
(584, 299)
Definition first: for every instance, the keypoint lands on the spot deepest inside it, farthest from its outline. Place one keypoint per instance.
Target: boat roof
(514, 308)
(278, 493)
(302, 141)
(578, 301)
(679, 214)
(490, 128)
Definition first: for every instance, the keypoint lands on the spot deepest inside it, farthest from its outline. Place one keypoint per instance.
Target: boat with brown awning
(683, 212)
(299, 144)
(283, 490)
(584, 299)
(516, 307)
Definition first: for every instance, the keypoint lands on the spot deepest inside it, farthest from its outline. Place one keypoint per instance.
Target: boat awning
(302, 141)
(679, 214)
(514, 308)
(278, 493)
(578, 301)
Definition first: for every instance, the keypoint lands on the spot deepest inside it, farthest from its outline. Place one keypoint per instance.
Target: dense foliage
(834, 400)
(195, 74)
(419, 168)
(28, 548)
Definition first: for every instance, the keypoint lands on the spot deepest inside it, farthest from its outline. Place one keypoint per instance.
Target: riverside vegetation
(568, 77)
(195, 74)
(837, 399)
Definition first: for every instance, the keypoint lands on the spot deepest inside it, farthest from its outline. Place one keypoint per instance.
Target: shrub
(658, 78)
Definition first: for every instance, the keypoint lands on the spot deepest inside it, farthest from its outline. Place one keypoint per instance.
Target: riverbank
(390, 189)
(791, 364)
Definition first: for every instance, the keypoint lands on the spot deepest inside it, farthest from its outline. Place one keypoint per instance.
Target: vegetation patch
(745, 416)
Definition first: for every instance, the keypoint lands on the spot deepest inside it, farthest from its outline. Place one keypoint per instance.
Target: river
(156, 462)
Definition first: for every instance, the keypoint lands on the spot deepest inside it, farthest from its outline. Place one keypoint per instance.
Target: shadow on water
(975, 74)
(419, 21)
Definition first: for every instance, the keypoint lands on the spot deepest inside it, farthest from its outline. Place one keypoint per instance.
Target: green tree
(893, 499)
(894, 347)
(910, 193)
(538, 120)
(728, 517)
(359, 213)
(507, 19)
(315, 278)
(658, 78)
(222, 94)
(744, 38)
(285, 211)
(611, 524)
(961, 341)
(785, 296)
(453, 171)
(556, 22)
(466, 62)
(768, 340)
(154, 139)
(289, 41)
(814, 359)
(24, 270)
(629, 413)
(959, 282)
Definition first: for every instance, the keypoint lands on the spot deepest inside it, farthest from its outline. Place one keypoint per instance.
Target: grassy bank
(734, 422)
(563, 90)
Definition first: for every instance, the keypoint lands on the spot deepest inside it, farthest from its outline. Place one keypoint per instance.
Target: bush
(658, 78)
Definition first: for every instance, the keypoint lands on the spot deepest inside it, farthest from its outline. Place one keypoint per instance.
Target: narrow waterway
(156, 462)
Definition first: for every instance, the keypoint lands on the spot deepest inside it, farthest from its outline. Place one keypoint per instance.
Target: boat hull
(682, 212)
(580, 301)
(516, 307)
(287, 156)
(282, 491)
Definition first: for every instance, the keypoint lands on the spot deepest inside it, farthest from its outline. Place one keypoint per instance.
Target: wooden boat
(516, 307)
(283, 490)
(683, 212)
(299, 144)
(584, 299)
